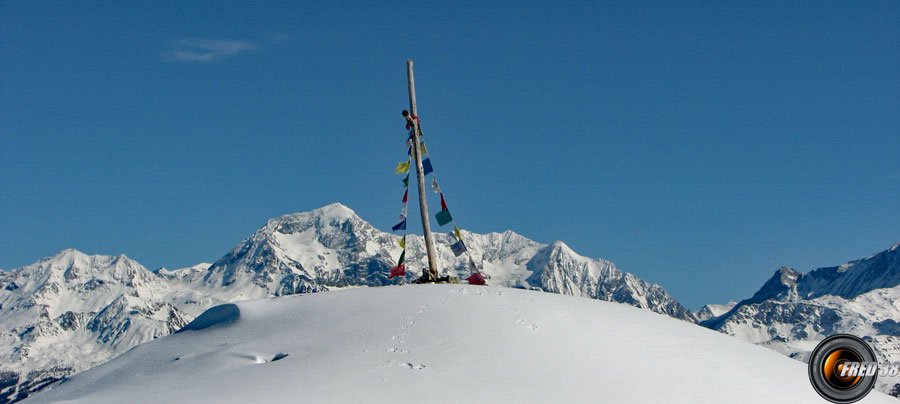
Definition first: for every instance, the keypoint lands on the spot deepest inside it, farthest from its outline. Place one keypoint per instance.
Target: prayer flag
(426, 167)
(403, 167)
(443, 217)
(443, 204)
(456, 231)
(434, 185)
(405, 194)
(400, 226)
(472, 265)
(402, 242)
(422, 150)
(476, 279)
(402, 258)
(458, 248)
(399, 270)
(406, 180)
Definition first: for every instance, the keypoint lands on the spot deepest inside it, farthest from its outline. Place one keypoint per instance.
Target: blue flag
(426, 167)
(400, 226)
(458, 248)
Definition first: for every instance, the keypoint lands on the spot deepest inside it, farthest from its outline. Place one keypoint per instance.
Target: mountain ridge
(794, 310)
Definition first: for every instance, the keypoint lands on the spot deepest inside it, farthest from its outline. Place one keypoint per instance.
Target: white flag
(434, 186)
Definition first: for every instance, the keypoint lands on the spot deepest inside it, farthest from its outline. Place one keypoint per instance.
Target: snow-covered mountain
(794, 310)
(72, 311)
(332, 247)
(713, 310)
(440, 343)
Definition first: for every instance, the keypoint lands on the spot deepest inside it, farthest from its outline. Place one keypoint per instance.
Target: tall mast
(429, 274)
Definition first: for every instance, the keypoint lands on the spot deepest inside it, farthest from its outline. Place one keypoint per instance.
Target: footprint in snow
(412, 366)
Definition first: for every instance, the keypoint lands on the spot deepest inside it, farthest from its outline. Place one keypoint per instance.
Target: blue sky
(698, 145)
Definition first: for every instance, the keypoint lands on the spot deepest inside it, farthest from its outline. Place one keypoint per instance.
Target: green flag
(443, 217)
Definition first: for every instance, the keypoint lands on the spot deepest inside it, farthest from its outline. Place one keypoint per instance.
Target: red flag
(476, 279)
(417, 121)
(400, 270)
(405, 194)
(443, 204)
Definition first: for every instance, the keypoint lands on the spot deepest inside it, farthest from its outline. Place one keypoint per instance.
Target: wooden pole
(429, 274)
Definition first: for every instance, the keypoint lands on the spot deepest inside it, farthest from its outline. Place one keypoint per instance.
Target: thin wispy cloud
(199, 50)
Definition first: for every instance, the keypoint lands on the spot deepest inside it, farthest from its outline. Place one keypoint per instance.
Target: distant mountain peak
(561, 246)
(334, 210)
(332, 215)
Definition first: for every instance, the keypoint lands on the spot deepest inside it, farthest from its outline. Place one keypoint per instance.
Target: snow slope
(440, 343)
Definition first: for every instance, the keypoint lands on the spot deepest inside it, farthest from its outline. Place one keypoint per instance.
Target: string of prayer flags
(399, 270)
(458, 248)
(403, 167)
(456, 231)
(426, 166)
(434, 185)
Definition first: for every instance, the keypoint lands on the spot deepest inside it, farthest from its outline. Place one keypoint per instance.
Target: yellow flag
(422, 150)
(402, 167)
(402, 242)
(456, 230)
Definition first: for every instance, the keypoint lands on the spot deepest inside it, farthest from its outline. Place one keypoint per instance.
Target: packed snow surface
(440, 343)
